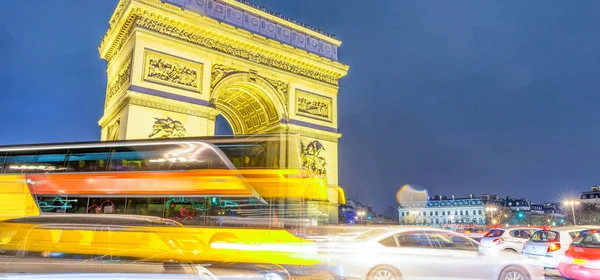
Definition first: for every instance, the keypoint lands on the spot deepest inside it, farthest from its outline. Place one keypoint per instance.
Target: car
(96, 245)
(549, 245)
(582, 259)
(505, 239)
(421, 253)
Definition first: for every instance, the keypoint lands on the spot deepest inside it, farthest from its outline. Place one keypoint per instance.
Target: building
(517, 204)
(592, 197)
(363, 212)
(347, 214)
(445, 212)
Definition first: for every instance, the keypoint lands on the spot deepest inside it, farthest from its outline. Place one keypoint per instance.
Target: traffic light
(520, 215)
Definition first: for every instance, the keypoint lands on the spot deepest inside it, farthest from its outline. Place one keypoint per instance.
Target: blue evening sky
(454, 96)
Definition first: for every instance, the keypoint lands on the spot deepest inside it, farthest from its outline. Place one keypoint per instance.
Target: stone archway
(173, 66)
(250, 103)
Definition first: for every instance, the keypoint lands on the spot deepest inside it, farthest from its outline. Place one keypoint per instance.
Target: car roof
(513, 228)
(572, 228)
(386, 231)
(101, 219)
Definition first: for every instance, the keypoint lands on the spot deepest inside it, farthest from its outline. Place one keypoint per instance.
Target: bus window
(61, 204)
(246, 155)
(187, 210)
(167, 157)
(87, 160)
(51, 161)
(106, 206)
(20, 162)
(2, 158)
(154, 206)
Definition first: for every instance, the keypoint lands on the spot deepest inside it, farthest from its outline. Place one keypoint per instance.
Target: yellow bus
(197, 181)
(225, 190)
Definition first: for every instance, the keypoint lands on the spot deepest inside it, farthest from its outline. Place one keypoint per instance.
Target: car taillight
(498, 241)
(553, 247)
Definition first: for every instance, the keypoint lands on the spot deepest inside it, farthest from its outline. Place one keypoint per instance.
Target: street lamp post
(491, 211)
(361, 214)
(572, 203)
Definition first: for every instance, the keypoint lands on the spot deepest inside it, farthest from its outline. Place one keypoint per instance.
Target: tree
(585, 214)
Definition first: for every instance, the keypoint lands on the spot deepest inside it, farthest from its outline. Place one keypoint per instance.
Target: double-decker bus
(208, 181)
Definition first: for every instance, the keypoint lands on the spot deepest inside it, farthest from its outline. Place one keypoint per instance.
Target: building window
(480, 213)
(461, 212)
(436, 213)
(456, 212)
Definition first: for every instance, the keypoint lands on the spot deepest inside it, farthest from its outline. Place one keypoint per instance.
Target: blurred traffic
(223, 208)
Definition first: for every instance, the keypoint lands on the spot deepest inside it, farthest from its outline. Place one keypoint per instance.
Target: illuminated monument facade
(174, 65)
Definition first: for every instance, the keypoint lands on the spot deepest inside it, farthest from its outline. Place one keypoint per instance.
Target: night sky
(456, 96)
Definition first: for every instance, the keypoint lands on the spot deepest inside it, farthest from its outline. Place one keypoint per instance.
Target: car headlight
(272, 276)
(205, 274)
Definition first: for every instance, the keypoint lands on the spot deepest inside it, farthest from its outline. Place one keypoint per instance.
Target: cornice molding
(160, 103)
(314, 133)
(141, 18)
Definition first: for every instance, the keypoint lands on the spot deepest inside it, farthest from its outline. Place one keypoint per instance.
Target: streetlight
(572, 203)
(361, 214)
(491, 211)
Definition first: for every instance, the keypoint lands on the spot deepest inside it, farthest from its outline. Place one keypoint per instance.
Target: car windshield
(368, 235)
(494, 233)
(590, 239)
(545, 236)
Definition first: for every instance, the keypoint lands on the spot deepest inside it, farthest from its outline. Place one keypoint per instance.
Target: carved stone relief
(313, 106)
(172, 71)
(113, 131)
(314, 158)
(120, 82)
(254, 56)
(219, 72)
(167, 128)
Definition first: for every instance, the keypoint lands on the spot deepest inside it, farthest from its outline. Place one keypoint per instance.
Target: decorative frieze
(282, 88)
(235, 50)
(120, 82)
(313, 106)
(219, 72)
(172, 71)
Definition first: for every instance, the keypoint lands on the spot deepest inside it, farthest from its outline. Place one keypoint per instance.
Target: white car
(549, 245)
(422, 253)
(509, 240)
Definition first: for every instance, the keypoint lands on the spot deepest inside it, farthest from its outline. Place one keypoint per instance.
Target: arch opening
(249, 105)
